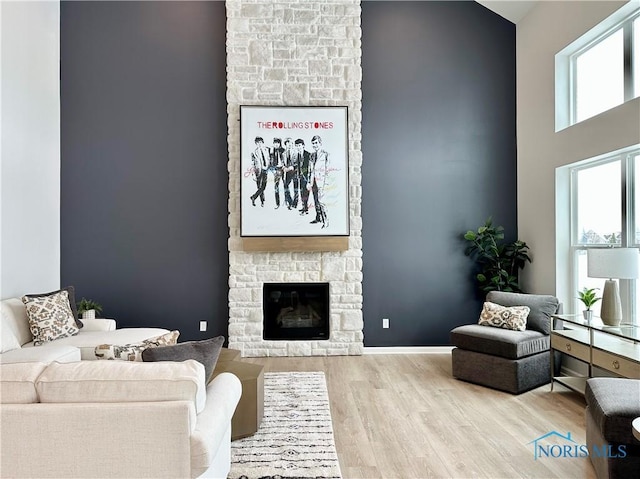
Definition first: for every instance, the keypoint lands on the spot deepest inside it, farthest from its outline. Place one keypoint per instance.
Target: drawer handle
(616, 365)
(568, 347)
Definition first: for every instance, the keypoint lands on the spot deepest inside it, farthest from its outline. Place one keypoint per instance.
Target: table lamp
(618, 263)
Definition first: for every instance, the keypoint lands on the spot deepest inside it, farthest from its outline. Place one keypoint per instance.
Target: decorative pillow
(514, 317)
(50, 317)
(133, 351)
(205, 352)
(72, 301)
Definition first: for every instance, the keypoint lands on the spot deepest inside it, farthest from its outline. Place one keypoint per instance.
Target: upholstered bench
(612, 405)
(511, 361)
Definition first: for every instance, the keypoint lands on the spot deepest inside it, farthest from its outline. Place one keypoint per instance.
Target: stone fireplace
(294, 53)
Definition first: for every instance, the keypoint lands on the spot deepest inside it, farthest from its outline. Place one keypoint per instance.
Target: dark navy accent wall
(144, 161)
(439, 156)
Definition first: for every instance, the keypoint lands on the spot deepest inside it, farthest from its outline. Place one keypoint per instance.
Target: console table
(613, 348)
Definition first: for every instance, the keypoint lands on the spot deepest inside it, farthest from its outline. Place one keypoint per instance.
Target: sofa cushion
(499, 342)
(43, 354)
(541, 306)
(205, 352)
(8, 339)
(72, 301)
(497, 316)
(122, 381)
(15, 314)
(614, 404)
(50, 317)
(18, 382)
(133, 351)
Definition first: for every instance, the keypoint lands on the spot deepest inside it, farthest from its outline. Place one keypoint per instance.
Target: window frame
(565, 63)
(629, 224)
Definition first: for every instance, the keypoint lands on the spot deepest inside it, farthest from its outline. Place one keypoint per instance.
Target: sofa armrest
(212, 434)
(99, 324)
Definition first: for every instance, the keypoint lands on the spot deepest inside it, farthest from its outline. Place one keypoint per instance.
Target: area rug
(295, 439)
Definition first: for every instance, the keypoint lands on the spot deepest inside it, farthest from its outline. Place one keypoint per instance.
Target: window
(600, 70)
(598, 213)
(603, 214)
(599, 77)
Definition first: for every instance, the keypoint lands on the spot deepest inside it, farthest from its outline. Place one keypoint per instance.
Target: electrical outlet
(385, 323)
(203, 325)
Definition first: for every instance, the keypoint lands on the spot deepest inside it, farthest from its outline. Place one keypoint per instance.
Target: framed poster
(294, 171)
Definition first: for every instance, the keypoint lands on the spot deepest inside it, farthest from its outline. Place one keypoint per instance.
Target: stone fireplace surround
(294, 53)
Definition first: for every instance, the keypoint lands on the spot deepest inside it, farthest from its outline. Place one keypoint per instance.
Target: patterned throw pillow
(72, 301)
(514, 317)
(50, 317)
(133, 351)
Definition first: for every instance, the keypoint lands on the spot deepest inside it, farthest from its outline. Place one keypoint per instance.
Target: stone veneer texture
(302, 53)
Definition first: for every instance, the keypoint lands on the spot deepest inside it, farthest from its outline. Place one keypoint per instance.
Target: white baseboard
(408, 350)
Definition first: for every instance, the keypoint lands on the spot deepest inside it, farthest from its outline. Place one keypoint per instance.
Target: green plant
(613, 238)
(588, 297)
(88, 304)
(499, 262)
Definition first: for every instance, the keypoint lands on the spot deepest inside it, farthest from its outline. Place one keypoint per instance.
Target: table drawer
(570, 347)
(616, 364)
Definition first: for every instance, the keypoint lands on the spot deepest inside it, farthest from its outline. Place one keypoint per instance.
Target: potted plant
(88, 308)
(588, 298)
(499, 263)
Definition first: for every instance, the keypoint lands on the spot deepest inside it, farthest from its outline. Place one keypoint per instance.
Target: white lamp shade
(619, 263)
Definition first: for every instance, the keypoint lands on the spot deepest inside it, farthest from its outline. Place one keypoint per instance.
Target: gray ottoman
(511, 361)
(612, 404)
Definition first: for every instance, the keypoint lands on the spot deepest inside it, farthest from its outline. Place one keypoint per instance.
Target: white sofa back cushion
(18, 382)
(123, 381)
(8, 340)
(15, 315)
(61, 354)
(87, 340)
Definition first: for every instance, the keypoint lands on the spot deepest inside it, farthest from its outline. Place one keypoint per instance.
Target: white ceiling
(512, 10)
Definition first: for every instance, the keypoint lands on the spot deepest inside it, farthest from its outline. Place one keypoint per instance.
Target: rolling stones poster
(294, 171)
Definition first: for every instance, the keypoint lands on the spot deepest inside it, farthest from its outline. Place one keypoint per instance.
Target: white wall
(546, 30)
(30, 138)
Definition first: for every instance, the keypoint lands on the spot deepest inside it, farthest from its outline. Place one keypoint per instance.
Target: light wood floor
(404, 416)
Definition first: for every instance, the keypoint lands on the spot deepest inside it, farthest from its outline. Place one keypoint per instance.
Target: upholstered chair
(508, 360)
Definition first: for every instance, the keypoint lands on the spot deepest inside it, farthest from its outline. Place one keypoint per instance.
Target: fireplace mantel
(298, 243)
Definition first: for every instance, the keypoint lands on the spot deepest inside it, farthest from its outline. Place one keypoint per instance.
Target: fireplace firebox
(295, 311)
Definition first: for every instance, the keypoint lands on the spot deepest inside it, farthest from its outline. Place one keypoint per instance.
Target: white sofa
(17, 342)
(115, 419)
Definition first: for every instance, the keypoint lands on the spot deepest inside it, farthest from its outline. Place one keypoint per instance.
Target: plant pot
(588, 314)
(89, 314)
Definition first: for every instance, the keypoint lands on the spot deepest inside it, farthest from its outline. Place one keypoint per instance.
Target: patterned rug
(295, 439)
